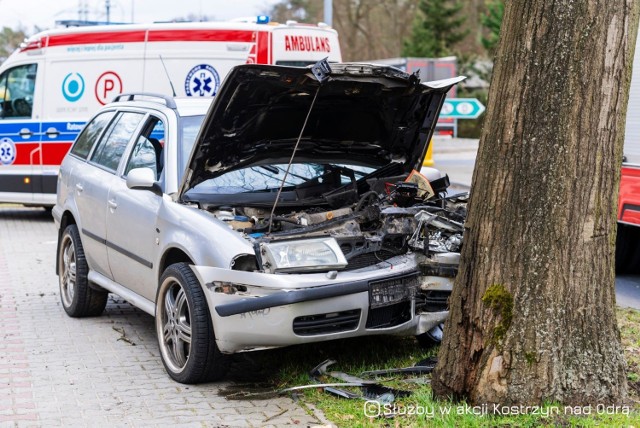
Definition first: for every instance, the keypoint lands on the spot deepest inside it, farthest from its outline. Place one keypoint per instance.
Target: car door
(20, 134)
(92, 187)
(131, 218)
(75, 173)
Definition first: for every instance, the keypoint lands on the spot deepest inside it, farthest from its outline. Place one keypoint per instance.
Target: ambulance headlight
(319, 254)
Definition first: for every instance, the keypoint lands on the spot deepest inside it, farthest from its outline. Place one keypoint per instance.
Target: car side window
(148, 150)
(17, 86)
(111, 148)
(90, 134)
(143, 156)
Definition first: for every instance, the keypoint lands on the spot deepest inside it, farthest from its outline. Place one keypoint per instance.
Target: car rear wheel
(184, 329)
(78, 298)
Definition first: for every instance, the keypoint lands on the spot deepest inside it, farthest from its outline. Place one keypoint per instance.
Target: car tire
(431, 338)
(184, 329)
(77, 297)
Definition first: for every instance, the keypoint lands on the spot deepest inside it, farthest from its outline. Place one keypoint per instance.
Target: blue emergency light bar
(262, 19)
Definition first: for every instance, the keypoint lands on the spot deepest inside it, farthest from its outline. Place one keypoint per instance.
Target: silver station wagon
(288, 210)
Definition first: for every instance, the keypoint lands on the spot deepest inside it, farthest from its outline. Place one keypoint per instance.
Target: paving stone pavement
(101, 371)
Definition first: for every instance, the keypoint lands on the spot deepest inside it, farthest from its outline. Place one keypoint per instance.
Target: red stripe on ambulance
(53, 153)
(136, 36)
(263, 48)
(140, 36)
(48, 153)
(201, 36)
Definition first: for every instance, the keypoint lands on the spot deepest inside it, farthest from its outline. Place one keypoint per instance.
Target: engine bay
(392, 217)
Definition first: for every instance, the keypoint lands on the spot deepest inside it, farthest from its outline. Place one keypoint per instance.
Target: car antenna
(173, 90)
(321, 70)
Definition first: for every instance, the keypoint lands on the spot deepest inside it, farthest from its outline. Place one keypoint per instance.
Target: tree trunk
(533, 307)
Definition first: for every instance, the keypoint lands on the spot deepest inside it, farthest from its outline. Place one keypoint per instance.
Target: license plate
(390, 291)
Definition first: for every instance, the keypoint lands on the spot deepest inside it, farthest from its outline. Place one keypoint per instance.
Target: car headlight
(306, 255)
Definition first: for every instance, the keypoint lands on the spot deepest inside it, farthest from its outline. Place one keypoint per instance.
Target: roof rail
(131, 96)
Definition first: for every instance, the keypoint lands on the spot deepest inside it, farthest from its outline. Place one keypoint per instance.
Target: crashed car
(288, 211)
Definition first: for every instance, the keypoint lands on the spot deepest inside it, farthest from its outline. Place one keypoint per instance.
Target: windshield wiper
(277, 170)
(269, 176)
(354, 171)
(271, 169)
(297, 175)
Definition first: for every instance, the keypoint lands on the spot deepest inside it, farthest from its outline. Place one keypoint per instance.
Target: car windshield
(189, 127)
(267, 178)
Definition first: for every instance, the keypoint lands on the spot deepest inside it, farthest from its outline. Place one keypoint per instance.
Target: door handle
(25, 133)
(112, 204)
(52, 132)
(79, 187)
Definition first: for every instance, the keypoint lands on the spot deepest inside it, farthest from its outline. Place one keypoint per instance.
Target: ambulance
(53, 83)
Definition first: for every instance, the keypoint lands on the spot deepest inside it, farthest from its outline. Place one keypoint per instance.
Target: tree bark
(533, 308)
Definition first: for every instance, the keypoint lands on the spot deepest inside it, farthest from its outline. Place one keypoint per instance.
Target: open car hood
(368, 115)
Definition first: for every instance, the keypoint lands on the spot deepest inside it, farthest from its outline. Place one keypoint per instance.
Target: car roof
(189, 106)
(183, 106)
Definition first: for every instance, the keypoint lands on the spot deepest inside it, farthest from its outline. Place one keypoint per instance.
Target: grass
(289, 367)
(629, 324)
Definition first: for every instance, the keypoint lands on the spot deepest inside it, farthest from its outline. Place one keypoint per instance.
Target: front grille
(389, 316)
(311, 325)
(436, 301)
(369, 259)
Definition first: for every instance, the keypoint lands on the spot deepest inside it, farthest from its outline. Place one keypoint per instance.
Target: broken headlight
(307, 255)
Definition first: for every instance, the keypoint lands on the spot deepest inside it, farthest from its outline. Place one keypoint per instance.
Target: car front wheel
(184, 329)
(78, 298)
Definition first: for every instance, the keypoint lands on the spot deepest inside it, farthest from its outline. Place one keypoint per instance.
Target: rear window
(90, 134)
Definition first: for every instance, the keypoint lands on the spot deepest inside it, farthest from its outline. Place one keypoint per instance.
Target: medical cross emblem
(202, 81)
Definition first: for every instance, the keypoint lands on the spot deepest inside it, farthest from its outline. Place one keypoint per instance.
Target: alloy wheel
(68, 271)
(176, 326)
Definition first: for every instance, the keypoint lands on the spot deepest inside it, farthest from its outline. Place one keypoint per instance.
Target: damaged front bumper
(253, 310)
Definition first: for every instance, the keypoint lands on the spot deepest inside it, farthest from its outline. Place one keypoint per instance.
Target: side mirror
(145, 179)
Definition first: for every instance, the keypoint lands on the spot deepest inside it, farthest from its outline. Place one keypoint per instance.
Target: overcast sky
(44, 13)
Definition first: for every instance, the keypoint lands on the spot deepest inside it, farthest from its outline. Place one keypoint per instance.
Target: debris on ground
(425, 366)
(370, 389)
(123, 336)
(333, 383)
